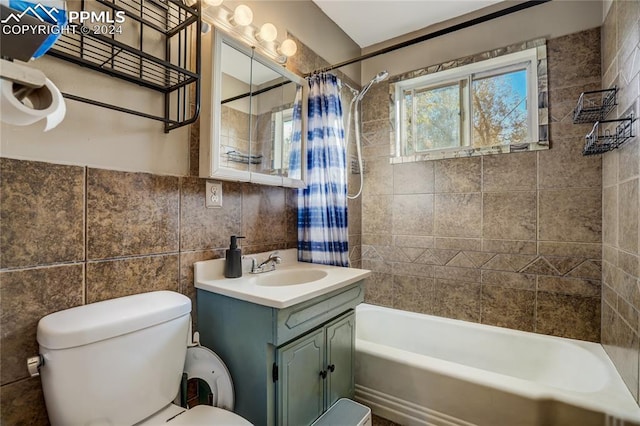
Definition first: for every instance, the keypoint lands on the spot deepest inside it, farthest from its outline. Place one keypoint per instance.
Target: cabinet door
(300, 384)
(341, 336)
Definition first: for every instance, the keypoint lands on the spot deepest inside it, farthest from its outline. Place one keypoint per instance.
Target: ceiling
(369, 22)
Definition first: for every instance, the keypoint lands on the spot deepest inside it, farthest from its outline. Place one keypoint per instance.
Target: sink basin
(291, 283)
(290, 277)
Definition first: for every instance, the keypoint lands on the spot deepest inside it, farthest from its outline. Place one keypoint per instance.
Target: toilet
(121, 362)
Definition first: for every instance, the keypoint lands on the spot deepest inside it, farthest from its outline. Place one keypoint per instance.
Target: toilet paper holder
(29, 78)
(28, 96)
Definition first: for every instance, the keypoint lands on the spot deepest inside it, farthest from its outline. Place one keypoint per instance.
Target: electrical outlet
(213, 195)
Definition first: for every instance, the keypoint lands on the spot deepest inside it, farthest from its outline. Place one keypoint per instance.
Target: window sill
(470, 152)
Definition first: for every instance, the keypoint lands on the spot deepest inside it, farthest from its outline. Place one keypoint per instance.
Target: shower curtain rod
(425, 37)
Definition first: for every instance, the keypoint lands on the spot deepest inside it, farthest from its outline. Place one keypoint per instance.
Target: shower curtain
(322, 205)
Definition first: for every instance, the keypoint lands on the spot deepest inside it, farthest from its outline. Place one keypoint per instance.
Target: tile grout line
(85, 218)
(482, 239)
(535, 301)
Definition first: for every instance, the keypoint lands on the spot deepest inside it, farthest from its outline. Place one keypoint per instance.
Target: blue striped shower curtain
(322, 205)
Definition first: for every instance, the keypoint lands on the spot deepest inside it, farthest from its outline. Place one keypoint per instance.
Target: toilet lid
(201, 363)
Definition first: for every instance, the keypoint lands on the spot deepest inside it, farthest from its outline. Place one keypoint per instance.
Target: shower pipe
(425, 37)
(357, 97)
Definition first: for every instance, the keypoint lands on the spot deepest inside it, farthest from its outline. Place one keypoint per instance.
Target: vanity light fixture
(288, 48)
(242, 15)
(268, 33)
(238, 23)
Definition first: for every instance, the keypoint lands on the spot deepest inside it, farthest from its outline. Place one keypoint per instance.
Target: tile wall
(72, 235)
(620, 197)
(512, 240)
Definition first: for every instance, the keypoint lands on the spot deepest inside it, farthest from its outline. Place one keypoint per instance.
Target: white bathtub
(419, 369)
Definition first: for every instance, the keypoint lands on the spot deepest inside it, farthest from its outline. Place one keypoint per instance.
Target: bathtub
(417, 369)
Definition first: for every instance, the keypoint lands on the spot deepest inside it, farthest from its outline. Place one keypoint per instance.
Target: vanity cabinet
(287, 365)
(315, 370)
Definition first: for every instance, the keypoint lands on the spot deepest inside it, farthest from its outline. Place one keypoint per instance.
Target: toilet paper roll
(21, 105)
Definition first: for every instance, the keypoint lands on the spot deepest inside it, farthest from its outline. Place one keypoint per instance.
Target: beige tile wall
(140, 232)
(71, 235)
(510, 240)
(620, 197)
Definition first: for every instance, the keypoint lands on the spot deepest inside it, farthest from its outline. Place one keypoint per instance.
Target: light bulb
(288, 47)
(242, 15)
(268, 32)
(213, 2)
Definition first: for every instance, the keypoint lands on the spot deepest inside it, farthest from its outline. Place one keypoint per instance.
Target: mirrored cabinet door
(266, 97)
(252, 126)
(235, 109)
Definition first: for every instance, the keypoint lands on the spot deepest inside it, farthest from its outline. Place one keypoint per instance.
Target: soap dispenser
(233, 259)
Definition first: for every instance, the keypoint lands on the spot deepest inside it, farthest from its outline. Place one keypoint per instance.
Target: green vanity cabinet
(288, 365)
(315, 371)
(341, 355)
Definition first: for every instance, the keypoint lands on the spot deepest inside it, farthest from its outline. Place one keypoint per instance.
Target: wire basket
(594, 105)
(599, 141)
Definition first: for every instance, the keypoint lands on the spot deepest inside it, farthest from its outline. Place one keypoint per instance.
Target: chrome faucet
(272, 260)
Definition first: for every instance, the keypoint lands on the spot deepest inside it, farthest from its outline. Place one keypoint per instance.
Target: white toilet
(120, 362)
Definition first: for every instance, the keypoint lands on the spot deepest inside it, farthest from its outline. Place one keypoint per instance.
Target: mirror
(255, 127)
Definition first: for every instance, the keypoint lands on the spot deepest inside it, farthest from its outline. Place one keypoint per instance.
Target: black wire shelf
(600, 140)
(595, 105)
(158, 48)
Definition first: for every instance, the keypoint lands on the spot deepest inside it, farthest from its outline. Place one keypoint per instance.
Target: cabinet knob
(323, 374)
(331, 368)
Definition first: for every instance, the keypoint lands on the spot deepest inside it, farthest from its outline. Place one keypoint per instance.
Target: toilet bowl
(121, 362)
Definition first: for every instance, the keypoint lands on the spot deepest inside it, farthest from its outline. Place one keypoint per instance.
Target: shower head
(381, 76)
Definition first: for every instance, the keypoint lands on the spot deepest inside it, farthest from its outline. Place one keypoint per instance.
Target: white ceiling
(369, 22)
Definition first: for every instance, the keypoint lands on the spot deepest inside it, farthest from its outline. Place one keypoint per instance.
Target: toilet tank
(114, 362)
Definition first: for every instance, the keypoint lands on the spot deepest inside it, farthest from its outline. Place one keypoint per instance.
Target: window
(282, 132)
(500, 108)
(488, 106)
(433, 117)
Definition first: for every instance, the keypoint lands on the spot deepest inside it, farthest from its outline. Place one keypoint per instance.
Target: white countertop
(209, 276)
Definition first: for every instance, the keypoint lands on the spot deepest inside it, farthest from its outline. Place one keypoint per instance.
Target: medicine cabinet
(252, 126)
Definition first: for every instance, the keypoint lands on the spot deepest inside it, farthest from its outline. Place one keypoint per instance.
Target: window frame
(526, 59)
(464, 119)
(278, 118)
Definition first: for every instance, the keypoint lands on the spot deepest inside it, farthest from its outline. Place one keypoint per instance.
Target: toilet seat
(174, 415)
(202, 363)
(207, 415)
